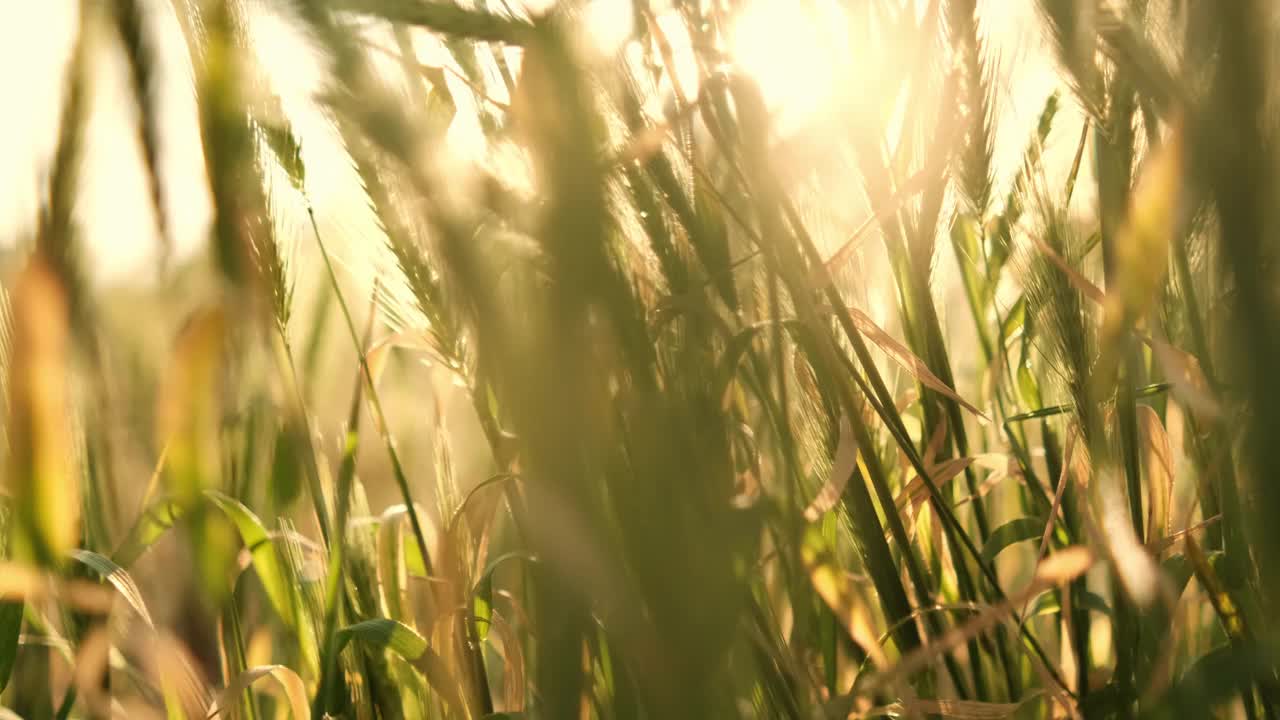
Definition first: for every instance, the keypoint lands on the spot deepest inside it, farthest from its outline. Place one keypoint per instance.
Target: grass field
(643, 359)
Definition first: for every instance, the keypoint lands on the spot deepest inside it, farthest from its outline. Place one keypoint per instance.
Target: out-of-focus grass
(665, 399)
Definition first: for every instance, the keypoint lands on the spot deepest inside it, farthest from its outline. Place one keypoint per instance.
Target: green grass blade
(10, 628)
(266, 561)
(1014, 531)
(403, 641)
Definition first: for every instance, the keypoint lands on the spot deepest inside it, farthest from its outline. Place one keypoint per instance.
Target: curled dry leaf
(842, 468)
(936, 440)
(393, 555)
(1081, 466)
(943, 472)
(747, 491)
(394, 519)
(377, 355)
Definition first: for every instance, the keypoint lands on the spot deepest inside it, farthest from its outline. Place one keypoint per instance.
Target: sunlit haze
(810, 62)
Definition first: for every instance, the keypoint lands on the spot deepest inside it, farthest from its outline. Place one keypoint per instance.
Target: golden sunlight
(814, 62)
(794, 51)
(639, 358)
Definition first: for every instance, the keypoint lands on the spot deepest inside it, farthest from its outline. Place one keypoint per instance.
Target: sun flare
(793, 51)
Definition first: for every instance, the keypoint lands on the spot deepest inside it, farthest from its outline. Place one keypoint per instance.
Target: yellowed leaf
(841, 596)
(1064, 566)
(40, 477)
(1142, 243)
(191, 404)
(1159, 472)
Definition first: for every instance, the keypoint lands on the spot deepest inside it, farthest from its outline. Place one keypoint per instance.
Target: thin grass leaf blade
(118, 577)
(403, 641)
(266, 561)
(10, 629)
(290, 682)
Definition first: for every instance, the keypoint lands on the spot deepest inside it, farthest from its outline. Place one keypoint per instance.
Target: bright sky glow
(792, 51)
(799, 52)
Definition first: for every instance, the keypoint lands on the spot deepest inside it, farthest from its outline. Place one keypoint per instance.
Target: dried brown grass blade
(934, 448)
(514, 676)
(1060, 567)
(916, 184)
(917, 493)
(295, 690)
(1189, 383)
(1080, 282)
(1063, 479)
(909, 360)
(1172, 538)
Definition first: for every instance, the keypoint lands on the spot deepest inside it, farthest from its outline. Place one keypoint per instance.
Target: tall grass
(713, 423)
